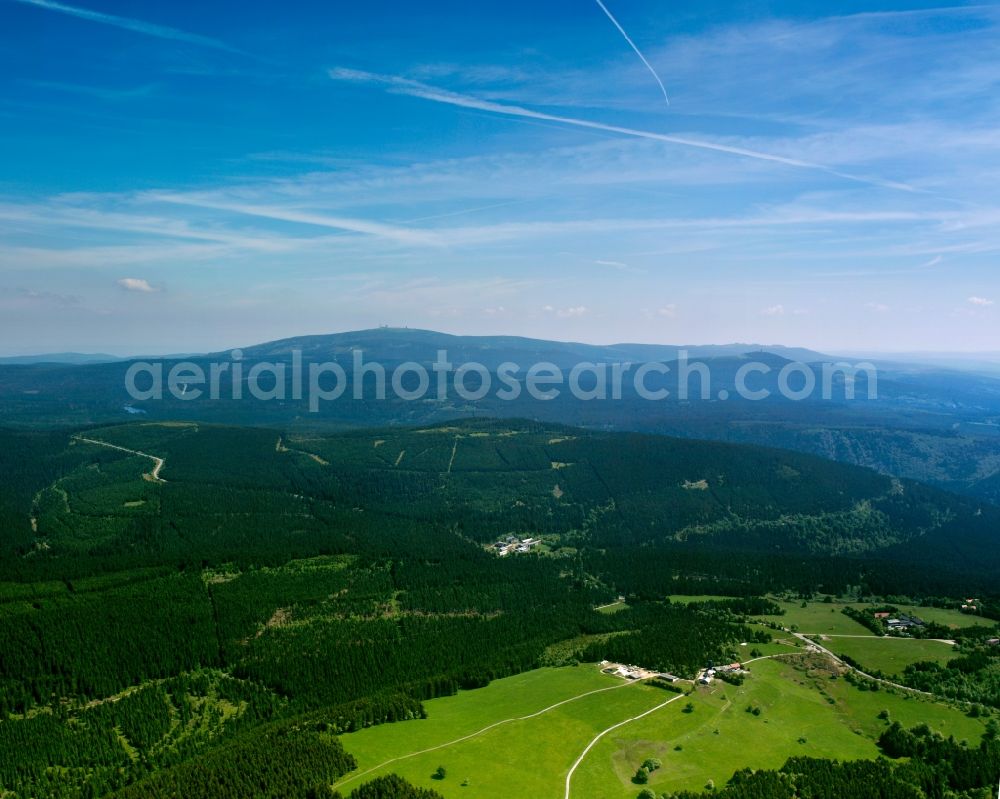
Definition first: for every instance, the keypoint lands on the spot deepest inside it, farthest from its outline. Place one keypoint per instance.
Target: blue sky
(181, 177)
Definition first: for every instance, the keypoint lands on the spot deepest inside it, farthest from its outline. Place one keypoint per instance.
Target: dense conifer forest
(215, 624)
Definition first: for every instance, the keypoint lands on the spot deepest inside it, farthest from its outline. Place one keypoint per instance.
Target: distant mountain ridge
(939, 425)
(402, 344)
(69, 358)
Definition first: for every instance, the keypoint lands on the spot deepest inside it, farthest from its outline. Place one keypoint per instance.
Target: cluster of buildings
(971, 606)
(512, 544)
(901, 623)
(621, 670)
(630, 672)
(706, 676)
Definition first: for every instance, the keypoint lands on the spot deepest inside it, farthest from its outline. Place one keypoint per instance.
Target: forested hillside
(254, 496)
(181, 600)
(928, 423)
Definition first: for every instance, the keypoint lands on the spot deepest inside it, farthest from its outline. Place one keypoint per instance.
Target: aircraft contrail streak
(638, 52)
(425, 92)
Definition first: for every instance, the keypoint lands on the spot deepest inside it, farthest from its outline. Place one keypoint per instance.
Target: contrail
(397, 233)
(423, 91)
(128, 23)
(638, 52)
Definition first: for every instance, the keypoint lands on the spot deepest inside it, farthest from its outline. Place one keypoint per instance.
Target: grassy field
(890, 655)
(945, 616)
(531, 757)
(818, 617)
(780, 646)
(827, 618)
(802, 713)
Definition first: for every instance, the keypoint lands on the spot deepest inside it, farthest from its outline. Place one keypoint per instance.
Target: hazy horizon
(122, 351)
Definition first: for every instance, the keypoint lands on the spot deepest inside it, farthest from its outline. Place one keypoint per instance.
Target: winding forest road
(154, 475)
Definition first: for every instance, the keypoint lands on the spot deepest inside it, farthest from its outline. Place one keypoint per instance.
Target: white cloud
(571, 312)
(878, 307)
(774, 310)
(138, 285)
(980, 302)
(669, 311)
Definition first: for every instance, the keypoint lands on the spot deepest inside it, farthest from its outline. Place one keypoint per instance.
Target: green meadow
(890, 655)
(945, 616)
(816, 617)
(802, 711)
(781, 646)
(825, 618)
(526, 757)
